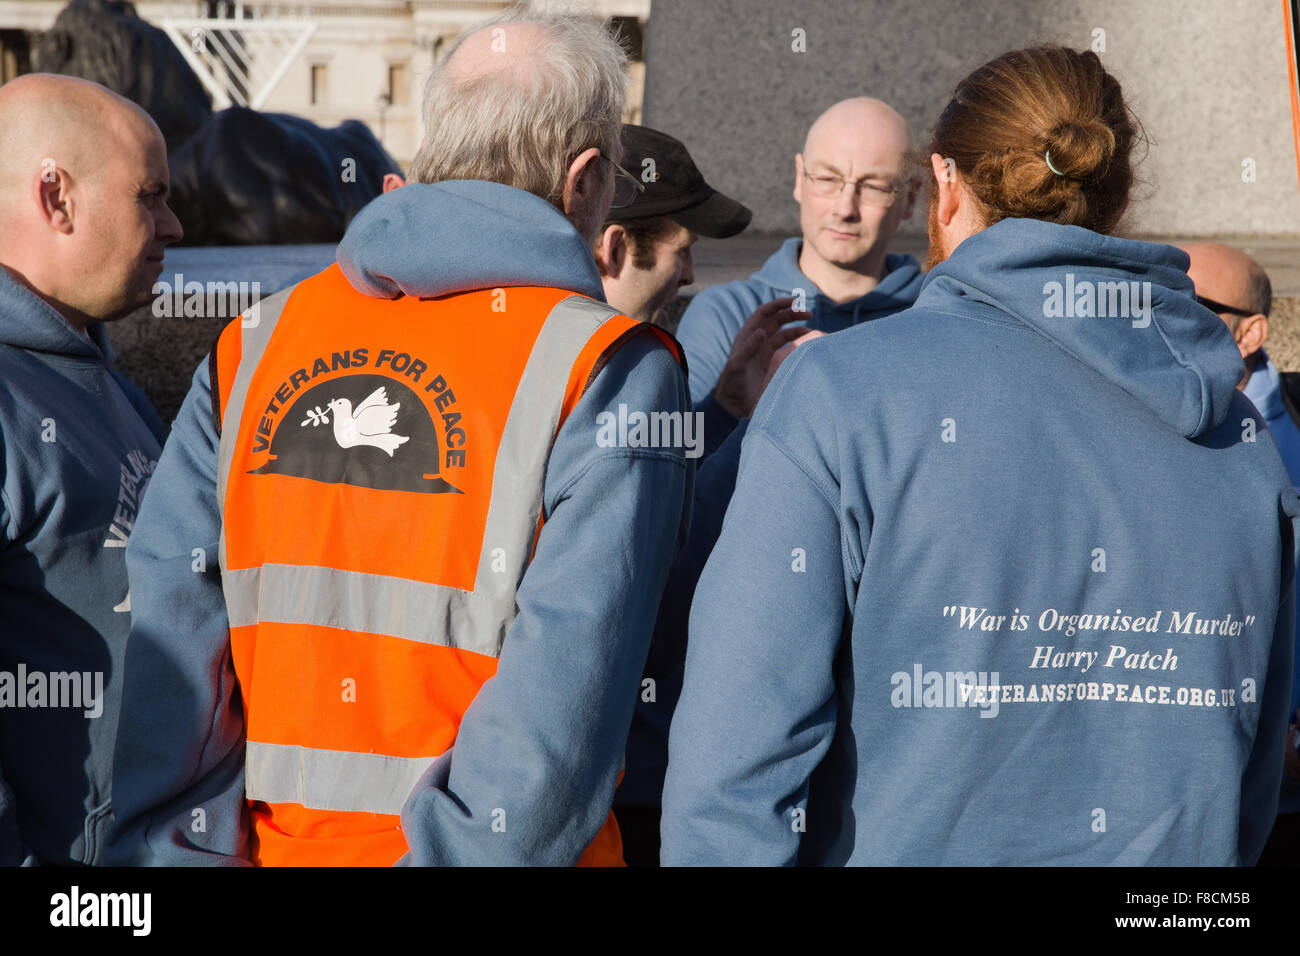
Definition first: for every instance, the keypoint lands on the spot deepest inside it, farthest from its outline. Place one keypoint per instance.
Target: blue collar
(1264, 388)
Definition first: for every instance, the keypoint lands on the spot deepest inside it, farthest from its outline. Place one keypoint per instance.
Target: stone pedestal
(739, 82)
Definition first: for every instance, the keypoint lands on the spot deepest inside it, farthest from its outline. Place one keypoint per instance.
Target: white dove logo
(371, 424)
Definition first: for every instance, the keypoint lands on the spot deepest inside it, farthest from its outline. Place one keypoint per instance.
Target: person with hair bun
(980, 597)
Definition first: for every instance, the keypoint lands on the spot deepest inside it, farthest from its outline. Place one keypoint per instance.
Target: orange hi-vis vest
(380, 478)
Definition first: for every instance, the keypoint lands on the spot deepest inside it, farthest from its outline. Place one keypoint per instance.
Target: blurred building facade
(360, 59)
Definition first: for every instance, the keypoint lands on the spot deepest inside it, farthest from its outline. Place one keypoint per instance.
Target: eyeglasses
(827, 187)
(627, 188)
(1219, 308)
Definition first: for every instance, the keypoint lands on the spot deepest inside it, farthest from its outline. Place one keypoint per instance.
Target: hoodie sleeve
(12, 850)
(758, 705)
(1262, 781)
(719, 424)
(178, 768)
(532, 774)
(708, 327)
(1295, 683)
(715, 481)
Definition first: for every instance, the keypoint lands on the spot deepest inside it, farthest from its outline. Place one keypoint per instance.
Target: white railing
(240, 62)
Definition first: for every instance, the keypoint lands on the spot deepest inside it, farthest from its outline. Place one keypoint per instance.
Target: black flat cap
(675, 188)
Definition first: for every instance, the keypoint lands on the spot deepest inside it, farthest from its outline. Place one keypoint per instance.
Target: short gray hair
(1259, 295)
(1259, 291)
(523, 127)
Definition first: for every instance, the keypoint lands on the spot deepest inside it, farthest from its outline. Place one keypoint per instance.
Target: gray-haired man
(490, 535)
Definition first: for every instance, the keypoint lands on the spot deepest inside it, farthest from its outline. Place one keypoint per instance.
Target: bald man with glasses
(855, 185)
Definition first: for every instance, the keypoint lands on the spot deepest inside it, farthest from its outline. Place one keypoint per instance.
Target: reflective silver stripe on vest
(374, 603)
(414, 610)
(339, 780)
(253, 338)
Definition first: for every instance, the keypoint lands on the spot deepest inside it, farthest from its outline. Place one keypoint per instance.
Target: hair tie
(1048, 156)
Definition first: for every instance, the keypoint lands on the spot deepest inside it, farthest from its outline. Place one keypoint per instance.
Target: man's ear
(798, 176)
(52, 191)
(581, 180)
(1250, 333)
(946, 187)
(393, 181)
(611, 251)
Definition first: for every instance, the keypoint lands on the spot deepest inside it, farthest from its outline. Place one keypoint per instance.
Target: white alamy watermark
(1085, 299)
(637, 429)
(922, 688)
(75, 908)
(200, 300)
(75, 689)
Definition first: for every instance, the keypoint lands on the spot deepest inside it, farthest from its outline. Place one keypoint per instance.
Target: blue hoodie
(80, 442)
(1000, 583)
(1264, 388)
(715, 315)
(550, 727)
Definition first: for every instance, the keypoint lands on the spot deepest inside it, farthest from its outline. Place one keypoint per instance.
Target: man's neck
(79, 321)
(1251, 361)
(840, 284)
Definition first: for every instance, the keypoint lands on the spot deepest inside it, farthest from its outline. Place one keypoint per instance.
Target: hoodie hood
(896, 291)
(1124, 308)
(29, 322)
(462, 235)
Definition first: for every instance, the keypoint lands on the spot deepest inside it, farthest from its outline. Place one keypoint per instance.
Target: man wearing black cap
(644, 250)
(644, 255)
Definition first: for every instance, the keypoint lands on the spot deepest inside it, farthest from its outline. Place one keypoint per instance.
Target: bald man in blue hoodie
(83, 186)
(854, 186)
(854, 190)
